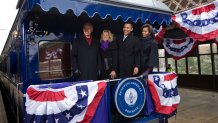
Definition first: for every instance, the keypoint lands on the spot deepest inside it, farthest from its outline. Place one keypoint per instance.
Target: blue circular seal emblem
(130, 97)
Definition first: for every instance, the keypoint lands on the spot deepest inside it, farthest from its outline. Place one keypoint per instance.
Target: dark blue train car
(38, 48)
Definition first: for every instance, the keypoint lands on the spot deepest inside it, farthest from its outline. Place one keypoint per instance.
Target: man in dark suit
(86, 60)
(129, 52)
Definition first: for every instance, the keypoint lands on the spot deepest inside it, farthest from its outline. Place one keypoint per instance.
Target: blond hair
(111, 36)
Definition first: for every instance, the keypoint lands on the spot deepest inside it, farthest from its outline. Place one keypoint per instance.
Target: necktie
(124, 37)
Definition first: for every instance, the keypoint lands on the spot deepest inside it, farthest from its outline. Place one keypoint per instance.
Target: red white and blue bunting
(159, 34)
(201, 23)
(179, 48)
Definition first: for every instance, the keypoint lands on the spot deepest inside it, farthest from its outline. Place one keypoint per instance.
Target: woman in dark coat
(86, 59)
(149, 50)
(108, 53)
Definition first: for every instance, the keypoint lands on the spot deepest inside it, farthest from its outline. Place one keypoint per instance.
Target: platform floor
(3, 117)
(197, 106)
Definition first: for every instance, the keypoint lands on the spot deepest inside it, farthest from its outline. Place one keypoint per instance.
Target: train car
(39, 47)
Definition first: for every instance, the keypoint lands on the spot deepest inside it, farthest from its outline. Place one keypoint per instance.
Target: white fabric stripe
(197, 29)
(172, 44)
(177, 54)
(202, 16)
(167, 101)
(47, 108)
(169, 85)
(92, 88)
(42, 108)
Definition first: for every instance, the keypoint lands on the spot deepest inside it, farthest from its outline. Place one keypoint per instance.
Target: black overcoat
(86, 58)
(129, 55)
(149, 53)
(109, 60)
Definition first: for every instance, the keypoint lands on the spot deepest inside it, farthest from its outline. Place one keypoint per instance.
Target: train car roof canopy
(152, 10)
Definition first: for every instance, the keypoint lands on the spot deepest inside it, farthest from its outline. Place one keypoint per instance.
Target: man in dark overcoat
(86, 55)
(129, 52)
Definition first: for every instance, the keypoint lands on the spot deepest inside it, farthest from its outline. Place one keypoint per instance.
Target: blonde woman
(108, 52)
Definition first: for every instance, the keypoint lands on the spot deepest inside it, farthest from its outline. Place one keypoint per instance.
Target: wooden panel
(205, 82)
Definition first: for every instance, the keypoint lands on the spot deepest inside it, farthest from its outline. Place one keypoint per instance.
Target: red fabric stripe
(158, 107)
(207, 36)
(169, 77)
(179, 41)
(200, 10)
(160, 35)
(94, 104)
(43, 96)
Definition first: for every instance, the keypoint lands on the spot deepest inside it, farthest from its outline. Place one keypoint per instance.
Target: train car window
(54, 60)
(161, 53)
(204, 48)
(214, 48)
(171, 61)
(193, 65)
(205, 62)
(216, 63)
(162, 65)
(181, 66)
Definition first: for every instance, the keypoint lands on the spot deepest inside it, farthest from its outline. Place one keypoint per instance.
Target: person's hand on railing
(144, 75)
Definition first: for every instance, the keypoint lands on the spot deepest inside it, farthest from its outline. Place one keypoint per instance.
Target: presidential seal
(129, 97)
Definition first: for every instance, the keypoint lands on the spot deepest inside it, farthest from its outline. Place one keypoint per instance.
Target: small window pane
(204, 49)
(161, 52)
(216, 64)
(193, 65)
(214, 47)
(162, 67)
(171, 61)
(155, 70)
(181, 66)
(206, 68)
(54, 60)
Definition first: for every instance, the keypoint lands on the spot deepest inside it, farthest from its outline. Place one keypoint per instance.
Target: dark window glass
(54, 60)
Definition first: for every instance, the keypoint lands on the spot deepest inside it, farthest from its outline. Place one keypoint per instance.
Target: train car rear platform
(197, 106)
(3, 117)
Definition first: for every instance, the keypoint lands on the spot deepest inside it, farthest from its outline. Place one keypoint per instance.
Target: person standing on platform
(86, 58)
(169, 68)
(108, 52)
(149, 50)
(129, 52)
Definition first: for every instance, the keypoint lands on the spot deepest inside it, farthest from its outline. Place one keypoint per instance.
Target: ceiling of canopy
(183, 5)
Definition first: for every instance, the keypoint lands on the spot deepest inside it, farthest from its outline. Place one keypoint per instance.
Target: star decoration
(68, 116)
(156, 78)
(83, 93)
(80, 106)
(56, 120)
